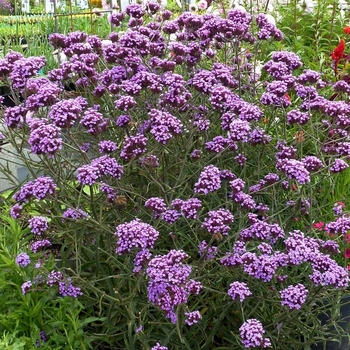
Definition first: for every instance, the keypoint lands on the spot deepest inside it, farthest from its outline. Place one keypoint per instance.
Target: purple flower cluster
(262, 230)
(25, 68)
(75, 214)
(39, 188)
(107, 146)
(294, 170)
(156, 205)
(102, 166)
(338, 166)
(159, 347)
(45, 138)
(141, 260)
(217, 221)
(16, 211)
(189, 208)
(340, 226)
(169, 284)
(67, 289)
(38, 245)
(22, 259)
(294, 296)
(209, 180)
(297, 117)
(26, 287)
(134, 146)
(207, 252)
(135, 234)
(252, 334)
(93, 121)
(66, 112)
(192, 317)
(13, 116)
(38, 225)
(239, 290)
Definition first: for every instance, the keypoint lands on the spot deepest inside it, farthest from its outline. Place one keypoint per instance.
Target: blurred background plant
(5, 7)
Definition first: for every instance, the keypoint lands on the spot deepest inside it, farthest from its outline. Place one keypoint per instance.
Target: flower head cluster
(169, 284)
(207, 252)
(66, 112)
(74, 214)
(38, 225)
(209, 180)
(294, 296)
(155, 205)
(102, 166)
(159, 347)
(239, 290)
(252, 334)
(294, 170)
(192, 317)
(22, 259)
(135, 234)
(67, 289)
(217, 221)
(39, 188)
(38, 245)
(45, 138)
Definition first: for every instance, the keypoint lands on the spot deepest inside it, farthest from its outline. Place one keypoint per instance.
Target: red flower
(347, 237)
(347, 253)
(338, 52)
(294, 187)
(319, 225)
(346, 30)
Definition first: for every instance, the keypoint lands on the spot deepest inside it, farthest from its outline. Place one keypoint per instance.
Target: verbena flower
(159, 347)
(209, 180)
(39, 188)
(239, 290)
(155, 205)
(192, 317)
(22, 259)
(252, 334)
(74, 214)
(67, 289)
(207, 252)
(16, 211)
(26, 287)
(38, 225)
(217, 221)
(135, 234)
(294, 296)
(169, 284)
(45, 138)
(38, 245)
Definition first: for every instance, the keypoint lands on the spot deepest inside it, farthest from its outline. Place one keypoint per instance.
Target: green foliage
(23, 317)
(312, 33)
(114, 303)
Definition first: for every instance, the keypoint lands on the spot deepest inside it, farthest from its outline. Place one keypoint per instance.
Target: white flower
(308, 5)
(202, 4)
(270, 19)
(193, 8)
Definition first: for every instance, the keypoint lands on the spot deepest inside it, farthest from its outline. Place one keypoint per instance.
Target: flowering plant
(184, 179)
(52, 305)
(5, 7)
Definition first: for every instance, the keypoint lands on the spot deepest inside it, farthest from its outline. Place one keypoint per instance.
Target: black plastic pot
(343, 343)
(8, 100)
